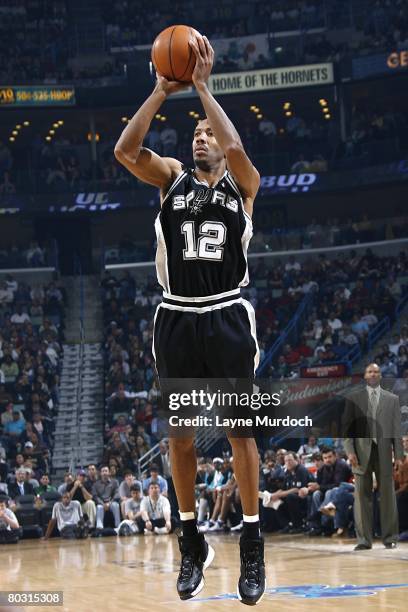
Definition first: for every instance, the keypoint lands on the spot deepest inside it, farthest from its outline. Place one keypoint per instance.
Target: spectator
(66, 514)
(293, 495)
(20, 487)
(68, 480)
(132, 513)
(329, 476)
(106, 495)
(156, 479)
(9, 526)
(80, 490)
(155, 512)
(45, 486)
(309, 448)
(125, 489)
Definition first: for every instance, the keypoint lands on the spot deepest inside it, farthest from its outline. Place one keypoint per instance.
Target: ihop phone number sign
(44, 95)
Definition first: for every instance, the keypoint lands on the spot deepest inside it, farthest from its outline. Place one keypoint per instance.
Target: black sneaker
(251, 583)
(196, 556)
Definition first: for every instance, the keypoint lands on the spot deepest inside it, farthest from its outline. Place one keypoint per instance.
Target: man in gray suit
(372, 429)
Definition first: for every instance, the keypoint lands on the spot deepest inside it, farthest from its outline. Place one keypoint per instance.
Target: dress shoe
(362, 547)
(390, 545)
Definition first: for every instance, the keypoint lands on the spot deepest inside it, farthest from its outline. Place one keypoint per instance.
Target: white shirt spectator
(67, 515)
(292, 265)
(335, 324)
(20, 319)
(155, 510)
(6, 295)
(133, 505)
(370, 319)
(12, 284)
(10, 514)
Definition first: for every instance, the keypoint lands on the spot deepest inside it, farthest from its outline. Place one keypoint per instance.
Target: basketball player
(203, 328)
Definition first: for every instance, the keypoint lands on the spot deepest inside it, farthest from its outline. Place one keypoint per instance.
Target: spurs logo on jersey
(194, 200)
(202, 237)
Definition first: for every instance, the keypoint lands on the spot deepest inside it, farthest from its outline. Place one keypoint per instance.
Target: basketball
(172, 56)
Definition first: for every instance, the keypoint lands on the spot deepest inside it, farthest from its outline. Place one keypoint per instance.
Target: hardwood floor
(139, 573)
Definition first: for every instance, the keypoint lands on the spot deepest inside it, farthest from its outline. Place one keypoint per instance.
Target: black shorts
(212, 339)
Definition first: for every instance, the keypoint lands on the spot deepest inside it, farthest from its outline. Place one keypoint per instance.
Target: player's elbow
(234, 150)
(123, 156)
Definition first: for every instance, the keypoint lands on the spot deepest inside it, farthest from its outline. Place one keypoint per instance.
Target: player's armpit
(150, 167)
(243, 171)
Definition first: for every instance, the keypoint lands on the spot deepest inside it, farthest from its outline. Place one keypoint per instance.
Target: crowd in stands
(35, 37)
(31, 324)
(315, 235)
(352, 294)
(297, 144)
(34, 41)
(17, 256)
(309, 492)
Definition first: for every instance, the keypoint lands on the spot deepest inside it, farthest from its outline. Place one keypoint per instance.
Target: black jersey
(202, 237)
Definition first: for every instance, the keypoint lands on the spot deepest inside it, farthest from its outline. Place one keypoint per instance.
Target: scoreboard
(42, 95)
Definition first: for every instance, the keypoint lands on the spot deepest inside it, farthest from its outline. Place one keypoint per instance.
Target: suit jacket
(357, 429)
(14, 490)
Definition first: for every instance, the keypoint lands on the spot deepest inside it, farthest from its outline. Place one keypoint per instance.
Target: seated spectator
(106, 496)
(45, 486)
(20, 487)
(329, 476)
(125, 489)
(132, 513)
(9, 526)
(80, 490)
(309, 448)
(66, 514)
(156, 479)
(68, 479)
(155, 512)
(291, 500)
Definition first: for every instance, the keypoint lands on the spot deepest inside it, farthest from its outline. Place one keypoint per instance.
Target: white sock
(248, 518)
(187, 516)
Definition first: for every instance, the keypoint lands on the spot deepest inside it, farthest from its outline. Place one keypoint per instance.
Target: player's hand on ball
(204, 59)
(169, 87)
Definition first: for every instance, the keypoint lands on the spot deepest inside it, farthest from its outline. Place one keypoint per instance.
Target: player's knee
(180, 445)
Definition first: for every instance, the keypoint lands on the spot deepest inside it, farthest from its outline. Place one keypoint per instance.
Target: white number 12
(212, 237)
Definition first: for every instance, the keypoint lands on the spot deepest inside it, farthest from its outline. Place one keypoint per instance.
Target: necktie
(374, 405)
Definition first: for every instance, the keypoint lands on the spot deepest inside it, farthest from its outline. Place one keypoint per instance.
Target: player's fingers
(202, 47)
(210, 50)
(193, 45)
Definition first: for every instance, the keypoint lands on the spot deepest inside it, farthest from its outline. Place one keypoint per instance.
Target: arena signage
(398, 60)
(322, 371)
(272, 78)
(381, 63)
(266, 79)
(46, 95)
(288, 182)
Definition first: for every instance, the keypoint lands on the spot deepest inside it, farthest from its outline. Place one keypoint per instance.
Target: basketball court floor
(139, 573)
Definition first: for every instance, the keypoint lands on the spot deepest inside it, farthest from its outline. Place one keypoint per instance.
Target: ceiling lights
(16, 131)
(52, 131)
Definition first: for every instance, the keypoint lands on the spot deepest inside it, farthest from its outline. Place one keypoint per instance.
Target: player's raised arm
(144, 163)
(239, 164)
